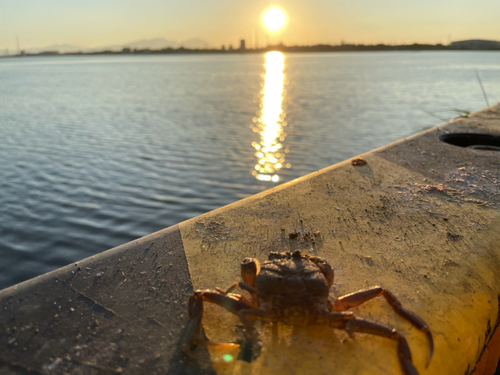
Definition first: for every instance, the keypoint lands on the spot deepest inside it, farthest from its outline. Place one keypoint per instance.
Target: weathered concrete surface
(122, 310)
(421, 219)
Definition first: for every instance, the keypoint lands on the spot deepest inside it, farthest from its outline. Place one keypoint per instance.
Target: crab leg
(242, 285)
(377, 329)
(234, 303)
(337, 319)
(345, 320)
(357, 298)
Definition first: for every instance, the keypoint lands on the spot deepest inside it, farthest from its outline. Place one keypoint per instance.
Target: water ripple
(97, 151)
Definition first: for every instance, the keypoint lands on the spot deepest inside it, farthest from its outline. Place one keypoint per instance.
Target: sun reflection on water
(271, 122)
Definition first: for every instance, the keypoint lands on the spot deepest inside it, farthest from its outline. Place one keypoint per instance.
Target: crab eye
(327, 271)
(249, 263)
(250, 267)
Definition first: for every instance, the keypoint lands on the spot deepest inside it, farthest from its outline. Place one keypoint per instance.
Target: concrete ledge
(421, 219)
(121, 310)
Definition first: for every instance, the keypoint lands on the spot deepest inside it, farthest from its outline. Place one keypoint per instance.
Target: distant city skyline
(31, 24)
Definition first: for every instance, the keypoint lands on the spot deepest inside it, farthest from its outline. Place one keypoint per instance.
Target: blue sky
(92, 23)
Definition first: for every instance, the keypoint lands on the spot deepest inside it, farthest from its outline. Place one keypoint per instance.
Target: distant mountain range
(152, 44)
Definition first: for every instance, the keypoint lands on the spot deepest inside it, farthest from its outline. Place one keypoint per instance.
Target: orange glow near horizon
(51, 24)
(269, 151)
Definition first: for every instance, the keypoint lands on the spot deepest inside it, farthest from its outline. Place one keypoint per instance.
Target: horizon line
(209, 46)
(464, 45)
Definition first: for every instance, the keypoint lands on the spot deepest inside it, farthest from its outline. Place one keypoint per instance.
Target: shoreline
(280, 47)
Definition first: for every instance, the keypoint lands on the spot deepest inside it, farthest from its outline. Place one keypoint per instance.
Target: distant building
(242, 44)
(223, 48)
(476, 44)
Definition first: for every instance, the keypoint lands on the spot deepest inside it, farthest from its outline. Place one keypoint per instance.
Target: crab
(293, 288)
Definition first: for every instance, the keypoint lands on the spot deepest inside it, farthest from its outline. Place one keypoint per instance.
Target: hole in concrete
(471, 140)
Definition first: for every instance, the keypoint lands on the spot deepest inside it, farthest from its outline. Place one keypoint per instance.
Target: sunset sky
(93, 23)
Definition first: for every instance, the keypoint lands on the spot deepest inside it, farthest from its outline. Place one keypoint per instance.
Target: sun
(274, 18)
